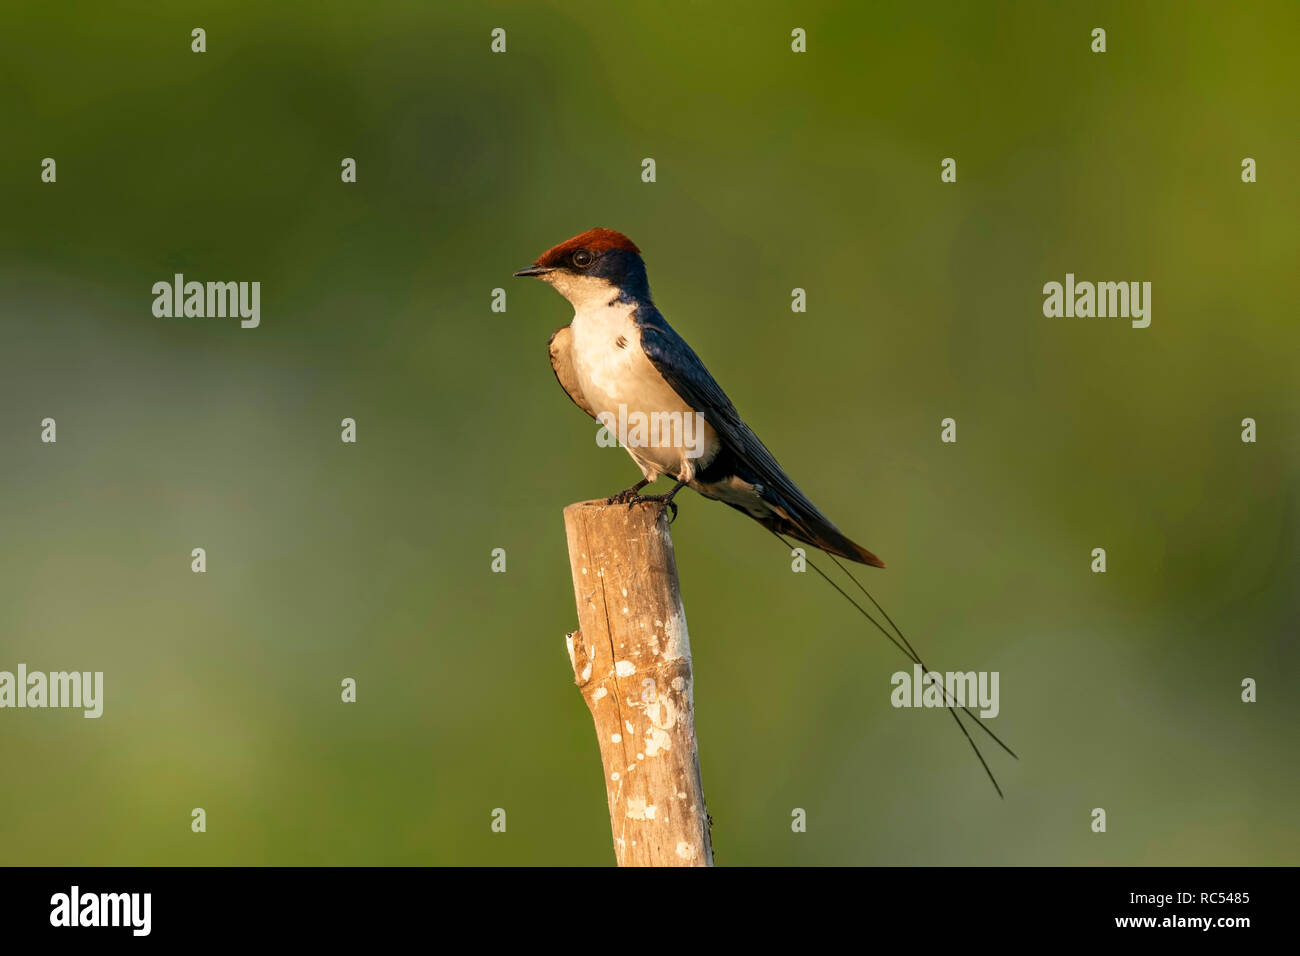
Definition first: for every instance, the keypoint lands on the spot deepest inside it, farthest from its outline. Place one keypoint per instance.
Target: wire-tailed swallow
(619, 357)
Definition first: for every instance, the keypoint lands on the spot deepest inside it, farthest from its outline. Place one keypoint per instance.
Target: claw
(627, 495)
(666, 500)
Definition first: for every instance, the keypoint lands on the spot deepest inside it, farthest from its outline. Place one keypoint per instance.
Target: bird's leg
(666, 499)
(627, 494)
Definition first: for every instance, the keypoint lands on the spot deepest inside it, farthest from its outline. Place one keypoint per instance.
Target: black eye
(582, 258)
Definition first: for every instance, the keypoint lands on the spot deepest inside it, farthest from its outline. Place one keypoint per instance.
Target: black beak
(532, 271)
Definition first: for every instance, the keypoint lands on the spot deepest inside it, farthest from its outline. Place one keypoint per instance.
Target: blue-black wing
(686, 374)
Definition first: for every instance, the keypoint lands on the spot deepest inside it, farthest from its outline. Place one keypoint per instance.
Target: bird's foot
(663, 499)
(626, 495)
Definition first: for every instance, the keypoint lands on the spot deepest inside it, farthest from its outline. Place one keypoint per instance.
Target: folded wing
(794, 514)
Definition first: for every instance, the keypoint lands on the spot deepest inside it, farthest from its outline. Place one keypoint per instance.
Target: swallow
(619, 358)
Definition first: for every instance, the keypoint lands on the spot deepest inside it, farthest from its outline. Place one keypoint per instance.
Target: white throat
(586, 293)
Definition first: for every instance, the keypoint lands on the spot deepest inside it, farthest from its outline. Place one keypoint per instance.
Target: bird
(619, 355)
(618, 358)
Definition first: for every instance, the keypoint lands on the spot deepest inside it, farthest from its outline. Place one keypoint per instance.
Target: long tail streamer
(903, 644)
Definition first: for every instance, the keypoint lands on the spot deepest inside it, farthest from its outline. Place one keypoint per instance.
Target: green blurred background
(775, 171)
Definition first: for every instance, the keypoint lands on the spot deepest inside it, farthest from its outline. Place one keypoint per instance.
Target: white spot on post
(657, 740)
(675, 636)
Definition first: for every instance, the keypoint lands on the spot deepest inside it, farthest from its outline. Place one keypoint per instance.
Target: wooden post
(631, 659)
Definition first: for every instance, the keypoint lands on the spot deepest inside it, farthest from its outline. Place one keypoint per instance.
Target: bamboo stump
(631, 659)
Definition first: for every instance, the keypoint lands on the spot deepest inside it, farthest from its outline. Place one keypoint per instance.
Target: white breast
(613, 375)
